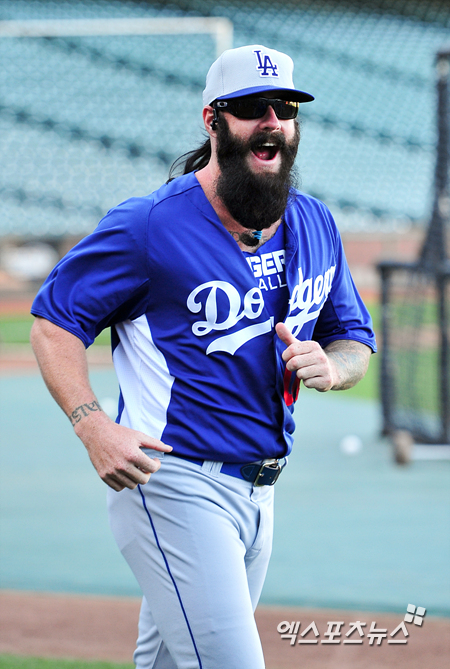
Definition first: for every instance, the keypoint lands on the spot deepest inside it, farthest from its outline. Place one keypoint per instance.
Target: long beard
(255, 200)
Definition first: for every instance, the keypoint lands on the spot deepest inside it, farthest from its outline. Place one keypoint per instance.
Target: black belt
(263, 472)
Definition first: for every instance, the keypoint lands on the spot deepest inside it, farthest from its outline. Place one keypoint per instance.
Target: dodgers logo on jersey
(308, 294)
(223, 309)
(265, 65)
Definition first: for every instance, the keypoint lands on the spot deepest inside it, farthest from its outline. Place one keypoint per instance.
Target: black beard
(256, 201)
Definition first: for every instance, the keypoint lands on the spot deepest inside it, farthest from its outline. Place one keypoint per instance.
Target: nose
(270, 120)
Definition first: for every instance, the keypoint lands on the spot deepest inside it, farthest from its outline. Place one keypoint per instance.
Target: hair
(191, 161)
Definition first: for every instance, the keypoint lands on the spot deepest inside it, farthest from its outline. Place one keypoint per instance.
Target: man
(224, 290)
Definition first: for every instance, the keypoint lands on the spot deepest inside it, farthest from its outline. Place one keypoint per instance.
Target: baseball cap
(252, 69)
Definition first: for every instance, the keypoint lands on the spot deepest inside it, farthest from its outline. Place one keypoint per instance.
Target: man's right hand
(115, 451)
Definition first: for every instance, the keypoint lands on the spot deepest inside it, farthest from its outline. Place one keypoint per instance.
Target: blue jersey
(192, 317)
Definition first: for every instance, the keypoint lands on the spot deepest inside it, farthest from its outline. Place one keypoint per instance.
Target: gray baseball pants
(198, 542)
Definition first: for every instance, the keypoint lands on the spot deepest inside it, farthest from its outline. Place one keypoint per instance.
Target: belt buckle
(268, 473)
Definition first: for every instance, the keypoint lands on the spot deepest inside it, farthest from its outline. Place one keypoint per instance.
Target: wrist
(83, 415)
(337, 377)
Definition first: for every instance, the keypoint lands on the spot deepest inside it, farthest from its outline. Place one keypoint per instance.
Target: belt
(263, 472)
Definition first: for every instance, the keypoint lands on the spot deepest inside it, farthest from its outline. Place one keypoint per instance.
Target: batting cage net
(415, 370)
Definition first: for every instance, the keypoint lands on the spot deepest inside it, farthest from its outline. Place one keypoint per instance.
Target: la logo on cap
(251, 70)
(265, 64)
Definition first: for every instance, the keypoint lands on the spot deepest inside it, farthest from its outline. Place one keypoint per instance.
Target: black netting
(415, 379)
(415, 370)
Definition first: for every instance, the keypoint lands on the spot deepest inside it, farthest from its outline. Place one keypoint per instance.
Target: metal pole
(443, 287)
(435, 246)
(386, 377)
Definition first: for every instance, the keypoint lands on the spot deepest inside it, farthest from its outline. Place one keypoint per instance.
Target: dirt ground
(104, 628)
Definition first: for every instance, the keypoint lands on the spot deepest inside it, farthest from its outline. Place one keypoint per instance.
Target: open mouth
(266, 151)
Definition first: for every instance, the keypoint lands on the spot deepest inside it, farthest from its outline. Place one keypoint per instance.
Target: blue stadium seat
(97, 119)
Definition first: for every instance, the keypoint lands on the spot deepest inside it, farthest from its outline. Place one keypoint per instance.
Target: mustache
(275, 137)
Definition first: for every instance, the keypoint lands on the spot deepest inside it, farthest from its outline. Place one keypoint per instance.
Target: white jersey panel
(144, 378)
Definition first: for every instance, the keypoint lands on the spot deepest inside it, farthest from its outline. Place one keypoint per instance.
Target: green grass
(420, 379)
(16, 330)
(415, 310)
(16, 662)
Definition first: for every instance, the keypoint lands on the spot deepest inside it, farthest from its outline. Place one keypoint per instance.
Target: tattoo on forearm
(84, 410)
(352, 359)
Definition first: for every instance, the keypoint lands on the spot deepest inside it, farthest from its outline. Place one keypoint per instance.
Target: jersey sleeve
(344, 314)
(104, 279)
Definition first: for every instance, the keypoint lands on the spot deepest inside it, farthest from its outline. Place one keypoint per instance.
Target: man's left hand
(339, 366)
(309, 360)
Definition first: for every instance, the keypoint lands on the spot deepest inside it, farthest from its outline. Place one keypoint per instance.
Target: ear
(208, 120)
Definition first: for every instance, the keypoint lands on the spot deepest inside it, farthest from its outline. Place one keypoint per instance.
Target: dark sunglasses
(249, 108)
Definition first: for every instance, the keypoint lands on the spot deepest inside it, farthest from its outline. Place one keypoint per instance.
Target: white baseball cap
(252, 69)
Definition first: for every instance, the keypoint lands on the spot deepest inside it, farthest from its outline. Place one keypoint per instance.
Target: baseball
(351, 444)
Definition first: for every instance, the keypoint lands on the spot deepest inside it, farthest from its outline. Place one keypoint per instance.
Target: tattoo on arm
(351, 359)
(83, 410)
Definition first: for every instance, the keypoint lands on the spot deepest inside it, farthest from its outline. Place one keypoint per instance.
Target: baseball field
(358, 538)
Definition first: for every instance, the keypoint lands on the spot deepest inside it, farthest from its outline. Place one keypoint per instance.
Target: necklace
(253, 238)
(250, 238)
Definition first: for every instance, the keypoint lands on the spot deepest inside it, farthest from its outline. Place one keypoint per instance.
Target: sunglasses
(248, 108)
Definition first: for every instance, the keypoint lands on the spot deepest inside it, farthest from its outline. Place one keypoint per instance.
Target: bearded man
(224, 290)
